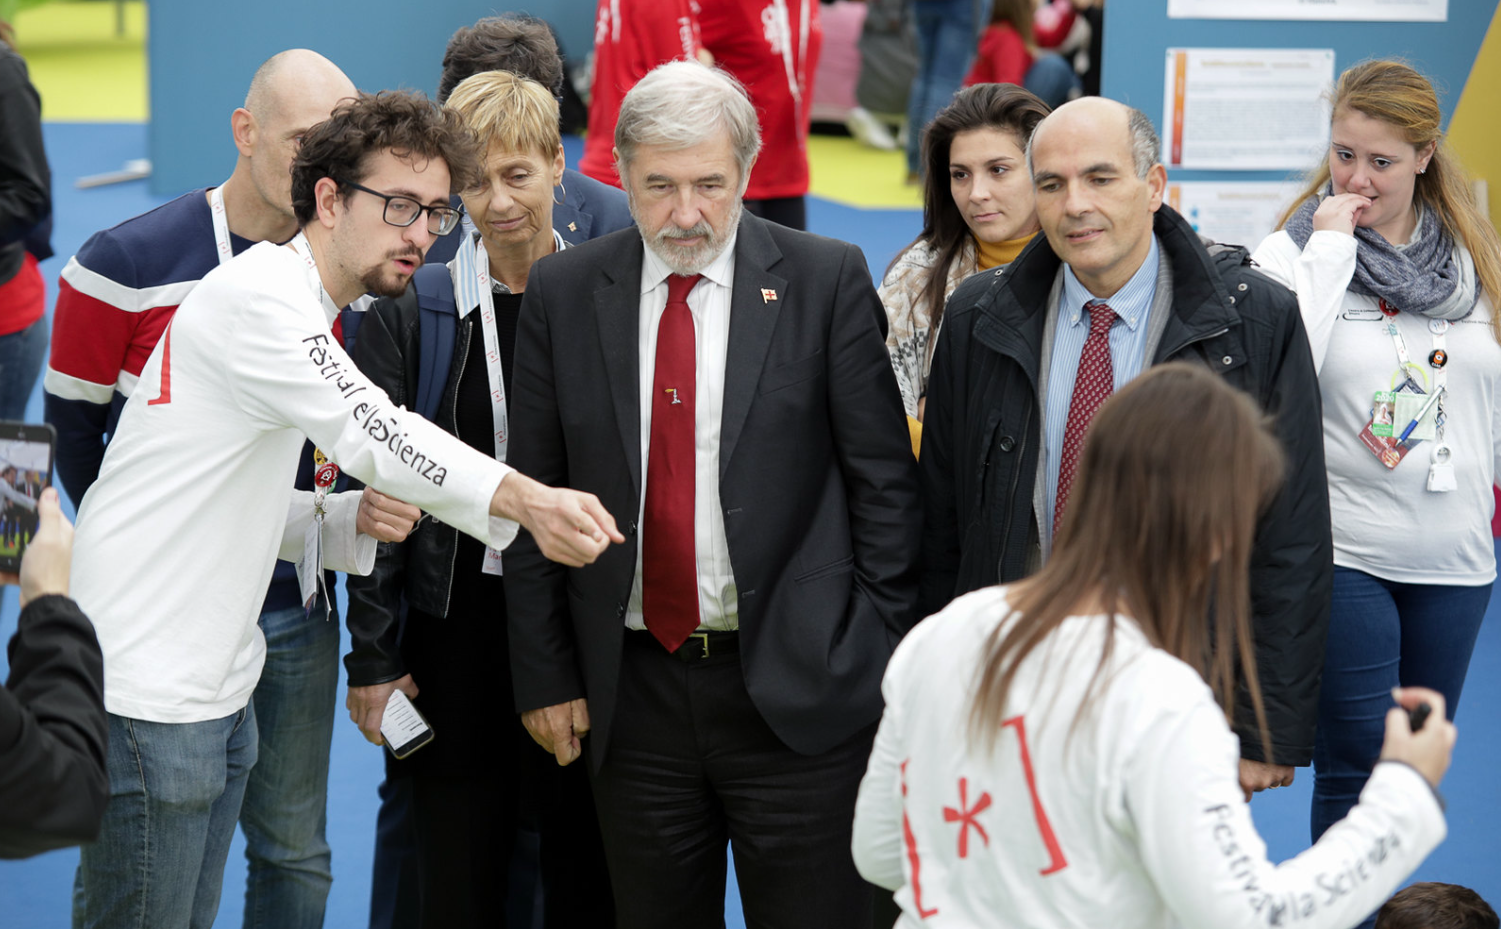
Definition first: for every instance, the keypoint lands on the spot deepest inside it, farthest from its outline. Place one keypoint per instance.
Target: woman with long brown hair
(1396, 268)
(977, 214)
(1056, 752)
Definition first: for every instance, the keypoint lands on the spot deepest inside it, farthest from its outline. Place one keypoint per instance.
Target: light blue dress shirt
(1128, 350)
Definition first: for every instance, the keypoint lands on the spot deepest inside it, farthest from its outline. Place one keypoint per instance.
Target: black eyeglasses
(403, 211)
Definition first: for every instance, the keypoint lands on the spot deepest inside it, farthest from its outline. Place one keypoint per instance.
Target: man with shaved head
(116, 298)
(1120, 281)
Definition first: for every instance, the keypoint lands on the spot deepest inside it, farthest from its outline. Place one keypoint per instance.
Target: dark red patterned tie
(1093, 385)
(669, 570)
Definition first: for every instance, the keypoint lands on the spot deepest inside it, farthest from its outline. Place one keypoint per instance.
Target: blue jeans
(946, 42)
(175, 792)
(286, 799)
(1383, 635)
(1052, 79)
(21, 357)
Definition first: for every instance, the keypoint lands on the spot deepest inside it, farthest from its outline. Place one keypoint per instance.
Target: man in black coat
(52, 727)
(1014, 378)
(722, 383)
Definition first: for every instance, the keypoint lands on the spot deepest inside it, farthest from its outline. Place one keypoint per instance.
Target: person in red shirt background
(630, 38)
(771, 47)
(1008, 54)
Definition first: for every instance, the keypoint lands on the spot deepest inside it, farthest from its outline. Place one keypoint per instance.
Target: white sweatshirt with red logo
(1135, 819)
(176, 540)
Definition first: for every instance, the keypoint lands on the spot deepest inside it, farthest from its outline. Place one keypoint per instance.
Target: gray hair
(682, 103)
(1146, 146)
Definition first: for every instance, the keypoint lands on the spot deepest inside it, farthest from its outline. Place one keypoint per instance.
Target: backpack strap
(437, 323)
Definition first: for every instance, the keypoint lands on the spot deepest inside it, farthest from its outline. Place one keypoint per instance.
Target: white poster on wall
(1386, 11)
(1233, 212)
(1252, 109)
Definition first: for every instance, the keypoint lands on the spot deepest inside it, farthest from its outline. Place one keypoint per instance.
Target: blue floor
(35, 894)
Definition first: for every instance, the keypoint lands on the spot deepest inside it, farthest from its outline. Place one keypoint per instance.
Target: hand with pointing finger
(570, 527)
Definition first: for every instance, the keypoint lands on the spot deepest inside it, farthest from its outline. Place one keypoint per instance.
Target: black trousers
(692, 766)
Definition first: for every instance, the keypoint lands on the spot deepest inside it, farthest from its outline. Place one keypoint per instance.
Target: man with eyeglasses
(115, 299)
(178, 536)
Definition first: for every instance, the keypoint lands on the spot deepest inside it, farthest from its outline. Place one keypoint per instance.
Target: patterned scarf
(1428, 275)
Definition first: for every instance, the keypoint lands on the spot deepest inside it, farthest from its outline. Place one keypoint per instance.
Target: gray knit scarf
(1428, 275)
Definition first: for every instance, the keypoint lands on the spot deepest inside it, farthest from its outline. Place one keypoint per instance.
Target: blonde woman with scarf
(1396, 268)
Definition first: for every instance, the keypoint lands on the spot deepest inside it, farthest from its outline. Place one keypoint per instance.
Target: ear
(1157, 185)
(1426, 155)
(326, 198)
(242, 127)
(558, 164)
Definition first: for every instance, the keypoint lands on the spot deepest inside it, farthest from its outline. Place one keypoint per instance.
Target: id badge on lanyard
(325, 472)
(474, 264)
(1405, 414)
(310, 579)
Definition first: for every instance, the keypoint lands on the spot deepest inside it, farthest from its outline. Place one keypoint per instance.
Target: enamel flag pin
(768, 295)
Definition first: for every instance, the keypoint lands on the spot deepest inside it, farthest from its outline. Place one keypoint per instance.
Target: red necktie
(669, 569)
(1093, 385)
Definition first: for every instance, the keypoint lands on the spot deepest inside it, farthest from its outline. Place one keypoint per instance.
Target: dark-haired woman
(1056, 752)
(977, 214)
(1396, 269)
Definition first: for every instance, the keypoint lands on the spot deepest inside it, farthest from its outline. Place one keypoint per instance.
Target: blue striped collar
(1131, 303)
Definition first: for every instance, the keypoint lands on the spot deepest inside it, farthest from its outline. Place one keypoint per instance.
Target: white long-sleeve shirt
(1386, 522)
(176, 540)
(1134, 820)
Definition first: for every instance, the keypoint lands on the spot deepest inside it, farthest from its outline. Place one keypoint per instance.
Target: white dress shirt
(709, 302)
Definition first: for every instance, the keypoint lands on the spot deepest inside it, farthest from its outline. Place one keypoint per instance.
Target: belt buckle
(705, 637)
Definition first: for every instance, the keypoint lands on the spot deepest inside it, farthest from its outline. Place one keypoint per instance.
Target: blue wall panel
(202, 55)
(1138, 32)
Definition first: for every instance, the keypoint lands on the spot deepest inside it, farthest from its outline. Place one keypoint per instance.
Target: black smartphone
(26, 451)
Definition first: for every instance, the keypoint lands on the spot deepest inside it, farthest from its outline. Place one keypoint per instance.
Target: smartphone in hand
(26, 453)
(403, 727)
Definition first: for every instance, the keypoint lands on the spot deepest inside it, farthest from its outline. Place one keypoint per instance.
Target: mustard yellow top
(995, 254)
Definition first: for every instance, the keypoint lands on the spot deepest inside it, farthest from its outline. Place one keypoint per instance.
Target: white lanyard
(797, 77)
(471, 286)
(310, 570)
(221, 224)
(473, 264)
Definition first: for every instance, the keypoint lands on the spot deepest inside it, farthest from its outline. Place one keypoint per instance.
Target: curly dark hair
(405, 123)
(515, 42)
(1437, 906)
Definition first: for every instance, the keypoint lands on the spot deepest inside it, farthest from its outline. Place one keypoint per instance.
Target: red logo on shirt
(965, 817)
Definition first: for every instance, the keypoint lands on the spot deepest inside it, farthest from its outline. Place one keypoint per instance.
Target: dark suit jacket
(589, 210)
(817, 479)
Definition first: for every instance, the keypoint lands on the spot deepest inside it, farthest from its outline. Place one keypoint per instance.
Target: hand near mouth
(1340, 213)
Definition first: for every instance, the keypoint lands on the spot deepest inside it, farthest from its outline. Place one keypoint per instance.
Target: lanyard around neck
(221, 224)
(473, 264)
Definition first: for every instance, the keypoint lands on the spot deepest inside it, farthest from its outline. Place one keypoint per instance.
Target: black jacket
(420, 570)
(53, 732)
(25, 179)
(982, 441)
(817, 481)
